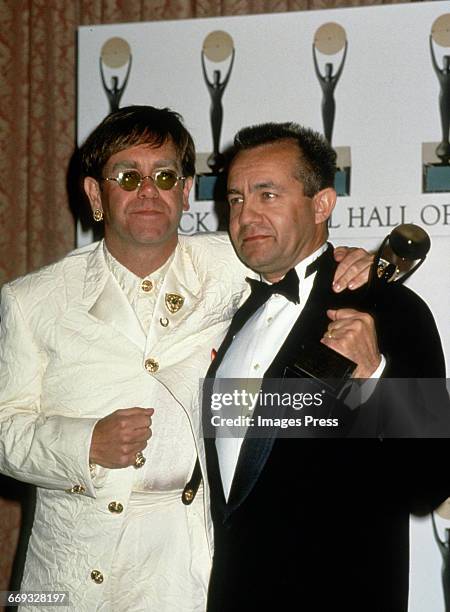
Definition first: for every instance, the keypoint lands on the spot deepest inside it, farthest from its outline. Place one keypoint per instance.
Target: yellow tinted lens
(165, 179)
(129, 180)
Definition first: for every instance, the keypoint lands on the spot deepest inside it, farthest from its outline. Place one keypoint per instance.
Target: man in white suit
(100, 350)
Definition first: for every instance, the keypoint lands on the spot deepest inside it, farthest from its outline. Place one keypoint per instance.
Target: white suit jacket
(71, 352)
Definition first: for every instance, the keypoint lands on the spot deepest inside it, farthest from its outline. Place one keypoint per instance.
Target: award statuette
(217, 47)
(444, 549)
(115, 54)
(399, 255)
(331, 39)
(436, 156)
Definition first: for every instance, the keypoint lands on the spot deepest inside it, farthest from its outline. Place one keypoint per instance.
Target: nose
(147, 188)
(249, 212)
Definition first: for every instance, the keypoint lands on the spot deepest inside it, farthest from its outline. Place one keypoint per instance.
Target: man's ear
(189, 181)
(324, 203)
(92, 190)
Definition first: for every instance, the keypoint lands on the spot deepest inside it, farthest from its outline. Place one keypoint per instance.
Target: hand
(119, 436)
(353, 269)
(352, 334)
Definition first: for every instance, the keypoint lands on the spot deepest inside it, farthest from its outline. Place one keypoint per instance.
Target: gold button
(97, 576)
(146, 286)
(76, 489)
(164, 321)
(188, 495)
(151, 365)
(140, 460)
(115, 507)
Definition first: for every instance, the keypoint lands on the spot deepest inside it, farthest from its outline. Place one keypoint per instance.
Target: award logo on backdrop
(444, 548)
(331, 40)
(218, 47)
(436, 156)
(115, 54)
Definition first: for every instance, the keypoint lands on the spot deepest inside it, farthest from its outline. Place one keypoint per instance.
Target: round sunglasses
(130, 180)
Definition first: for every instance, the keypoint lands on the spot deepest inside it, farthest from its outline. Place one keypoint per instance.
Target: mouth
(247, 240)
(147, 213)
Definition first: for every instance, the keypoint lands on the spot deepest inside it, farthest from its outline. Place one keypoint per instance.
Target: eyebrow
(256, 187)
(123, 164)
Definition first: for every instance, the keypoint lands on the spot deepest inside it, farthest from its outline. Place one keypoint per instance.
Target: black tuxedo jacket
(322, 524)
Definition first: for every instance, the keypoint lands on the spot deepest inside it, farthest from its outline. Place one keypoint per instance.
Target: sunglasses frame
(119, 179)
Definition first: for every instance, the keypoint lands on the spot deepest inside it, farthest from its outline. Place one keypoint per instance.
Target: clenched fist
(352, 333)
(119, 436)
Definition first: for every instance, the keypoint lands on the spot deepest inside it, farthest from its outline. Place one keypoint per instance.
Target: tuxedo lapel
(215, 479)
(240, 318)
(242, 315)
(252, 458)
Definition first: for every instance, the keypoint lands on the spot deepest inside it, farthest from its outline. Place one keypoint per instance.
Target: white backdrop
(386, 107)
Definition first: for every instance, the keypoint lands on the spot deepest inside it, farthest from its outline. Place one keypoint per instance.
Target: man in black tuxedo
(315, 524)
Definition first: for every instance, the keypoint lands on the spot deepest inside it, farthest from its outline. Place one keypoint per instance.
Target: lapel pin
(173, 302)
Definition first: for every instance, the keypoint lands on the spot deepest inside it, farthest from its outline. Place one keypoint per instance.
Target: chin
(157, 237)
(255, 264)
(152, 232)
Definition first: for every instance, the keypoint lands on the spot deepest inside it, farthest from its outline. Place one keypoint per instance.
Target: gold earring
(98, 214)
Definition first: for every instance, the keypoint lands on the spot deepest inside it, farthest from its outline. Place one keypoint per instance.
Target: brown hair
(317, 159)
(131, 126)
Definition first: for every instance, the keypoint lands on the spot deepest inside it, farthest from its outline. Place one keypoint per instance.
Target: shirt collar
(300, 268)
(129, 282)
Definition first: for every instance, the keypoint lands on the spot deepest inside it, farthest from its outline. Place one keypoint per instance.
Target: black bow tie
(287, 286)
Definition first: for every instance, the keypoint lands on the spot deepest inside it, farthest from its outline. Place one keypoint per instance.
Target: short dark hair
(135, 125)
(317, 158)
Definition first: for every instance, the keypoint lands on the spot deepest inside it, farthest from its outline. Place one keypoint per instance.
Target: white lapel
(179, 299)
(107, 302)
